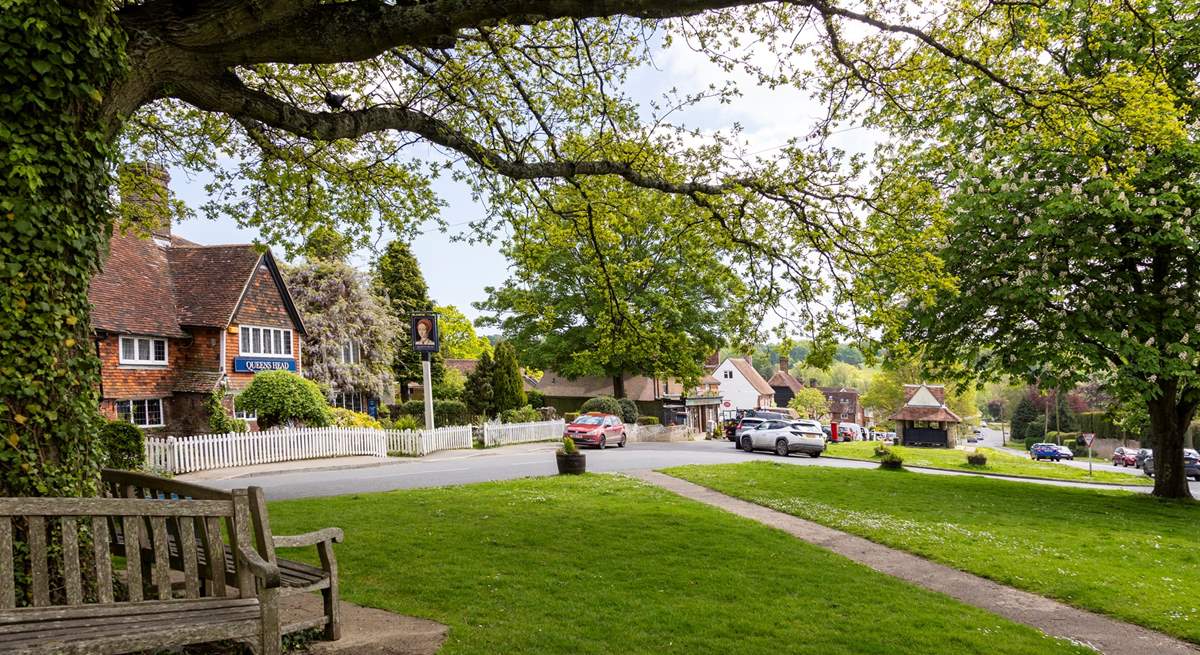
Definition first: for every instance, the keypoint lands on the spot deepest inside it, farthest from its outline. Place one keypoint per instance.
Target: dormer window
(351, 352)
(143, 351)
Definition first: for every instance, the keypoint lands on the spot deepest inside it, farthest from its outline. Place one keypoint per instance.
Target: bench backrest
(72, 538)
(131, 484)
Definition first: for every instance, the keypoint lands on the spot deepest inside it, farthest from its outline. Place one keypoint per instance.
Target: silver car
(785, 437)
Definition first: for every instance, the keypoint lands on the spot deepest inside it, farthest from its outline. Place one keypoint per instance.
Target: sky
(457, 272)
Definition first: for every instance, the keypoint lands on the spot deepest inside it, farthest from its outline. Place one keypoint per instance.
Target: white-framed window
(142, 413)
(350, 400)
(237, 413)
(143, 351)
(276, 342)
(351, 352)
(728, 375)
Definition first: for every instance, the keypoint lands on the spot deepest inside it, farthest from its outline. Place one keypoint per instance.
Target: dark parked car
(1124, 457)
(1191, 464)
(1142, 454)
(597, 429)
(748, 420)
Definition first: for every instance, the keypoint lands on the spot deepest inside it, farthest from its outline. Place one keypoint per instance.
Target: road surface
(464, 467)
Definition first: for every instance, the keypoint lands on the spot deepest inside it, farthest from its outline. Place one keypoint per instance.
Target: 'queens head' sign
(425, 333)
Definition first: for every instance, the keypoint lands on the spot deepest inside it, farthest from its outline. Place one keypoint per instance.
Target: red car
(596, 429)
(1125, 457)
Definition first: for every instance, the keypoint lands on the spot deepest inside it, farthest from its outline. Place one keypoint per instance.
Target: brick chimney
(783, 363)
(713, 360)
(145, 194)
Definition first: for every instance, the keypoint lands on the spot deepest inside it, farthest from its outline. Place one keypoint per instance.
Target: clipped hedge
(526, 414)
(535, 398)
(123, 446)
(602, 404)
(629, 410)
(445, 412)
(648, 420)
(570, 416)
(1029, 441)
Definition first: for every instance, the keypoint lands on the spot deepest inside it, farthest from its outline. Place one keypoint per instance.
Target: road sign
(1089, 437)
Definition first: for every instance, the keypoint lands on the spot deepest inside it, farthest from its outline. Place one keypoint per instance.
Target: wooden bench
(77, 600)
(295, 577)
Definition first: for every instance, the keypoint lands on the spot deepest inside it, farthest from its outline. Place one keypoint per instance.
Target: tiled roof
(133, 293)
(196, 381)
(750, 373)
(637, 387)
(913, 413)
(209, 281)
(464, 366)
(782, 378)
(938, 391)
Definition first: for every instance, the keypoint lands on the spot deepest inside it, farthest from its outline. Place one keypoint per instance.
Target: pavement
(1104, 634)
(332, 477)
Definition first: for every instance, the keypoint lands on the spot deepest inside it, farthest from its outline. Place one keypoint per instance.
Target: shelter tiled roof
(925, 402)
(911, 413)
(750, 373)
(782, 378)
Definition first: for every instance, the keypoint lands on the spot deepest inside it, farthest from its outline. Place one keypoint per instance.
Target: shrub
(445, 412)
(524, 414)
(603, 404)
(880, 451)
(976, 459)
(284, 398)
(629, 410)
(647, 420)
(891, 461)
(123, 446)
(535, 398)
(569, 447)
(570, 416)
(219, 421)
(348, 418)
(1037, 430)
(1029, 441)
(406, 422)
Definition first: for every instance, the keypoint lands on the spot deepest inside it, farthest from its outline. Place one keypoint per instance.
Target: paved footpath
(1106, 635)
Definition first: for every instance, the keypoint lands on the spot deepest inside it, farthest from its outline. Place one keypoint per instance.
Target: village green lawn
(999, 463)
(1122, 553)
(606, 564)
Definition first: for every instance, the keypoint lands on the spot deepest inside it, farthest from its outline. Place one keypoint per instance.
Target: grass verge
(602, 564)
(999, 463)
(1125, 554)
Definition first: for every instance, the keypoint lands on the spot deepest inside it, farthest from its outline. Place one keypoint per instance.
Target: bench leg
(272, 643)
(333, 612)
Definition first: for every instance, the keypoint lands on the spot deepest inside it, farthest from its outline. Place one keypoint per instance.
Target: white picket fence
(502, 434)
(213, 451)
(419, 443)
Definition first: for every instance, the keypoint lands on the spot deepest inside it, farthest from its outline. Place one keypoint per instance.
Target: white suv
(785, 437)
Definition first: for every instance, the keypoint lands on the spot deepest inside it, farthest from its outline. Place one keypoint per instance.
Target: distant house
(925, 420)
(784, 383)
(742, 386)
(174, 321)
(664, 399)
(845, 405)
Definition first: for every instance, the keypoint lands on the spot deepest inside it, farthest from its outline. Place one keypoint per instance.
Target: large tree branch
(229, 96)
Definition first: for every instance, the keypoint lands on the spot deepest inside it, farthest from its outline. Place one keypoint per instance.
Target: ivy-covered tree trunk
(1170, 414)
(55, 219)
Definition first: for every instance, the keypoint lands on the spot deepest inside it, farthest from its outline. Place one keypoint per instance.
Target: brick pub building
(174, 321)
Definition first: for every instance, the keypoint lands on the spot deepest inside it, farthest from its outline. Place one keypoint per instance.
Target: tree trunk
(1169, 420)
(55, 221)
(618, 386)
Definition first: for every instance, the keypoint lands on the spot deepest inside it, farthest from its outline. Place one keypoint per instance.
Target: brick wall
(262, 306)
(203, 353)
(124, 381)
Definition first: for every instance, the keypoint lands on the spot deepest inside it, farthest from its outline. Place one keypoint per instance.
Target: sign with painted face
(426, 338)
(259, 364)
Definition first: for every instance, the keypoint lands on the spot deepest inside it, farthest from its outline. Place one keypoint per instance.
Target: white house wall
(737, 389)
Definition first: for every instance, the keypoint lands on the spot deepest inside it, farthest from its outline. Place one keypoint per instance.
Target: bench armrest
(261, 568)
(310, 538)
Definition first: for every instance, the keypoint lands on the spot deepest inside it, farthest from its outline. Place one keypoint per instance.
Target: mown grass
(998, 463)
(602, 564)
(1122, 553)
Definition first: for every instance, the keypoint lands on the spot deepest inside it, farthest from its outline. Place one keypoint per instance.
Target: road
(464, 467)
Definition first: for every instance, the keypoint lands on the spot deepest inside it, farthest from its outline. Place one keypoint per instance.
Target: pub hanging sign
(260, 364)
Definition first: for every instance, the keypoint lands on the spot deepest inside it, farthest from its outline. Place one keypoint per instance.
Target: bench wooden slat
(111, 507)
(145, 607)
(162, 571)
(191, 566)
(70, 557)
(47, 628)
(104, 585)
(37, 560)
(215, 550)
(131, 528)
(8, 589)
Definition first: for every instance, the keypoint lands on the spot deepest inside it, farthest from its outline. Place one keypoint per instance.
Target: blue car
(1040, 451)
(1191, 464)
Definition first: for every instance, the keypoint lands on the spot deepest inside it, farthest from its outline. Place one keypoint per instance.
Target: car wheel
(781, 447)
(624, 438)
(603, 443)
(747, 445)
(815, 455)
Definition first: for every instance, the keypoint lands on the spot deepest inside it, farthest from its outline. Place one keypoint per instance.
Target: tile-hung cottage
(173, 321)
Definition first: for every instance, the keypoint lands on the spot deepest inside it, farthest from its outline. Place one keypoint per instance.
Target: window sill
(143, 367)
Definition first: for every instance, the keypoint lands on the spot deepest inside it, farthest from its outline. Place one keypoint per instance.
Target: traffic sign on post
(1089, 437)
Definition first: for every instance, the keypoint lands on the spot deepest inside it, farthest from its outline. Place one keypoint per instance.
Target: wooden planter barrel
(572, 464)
